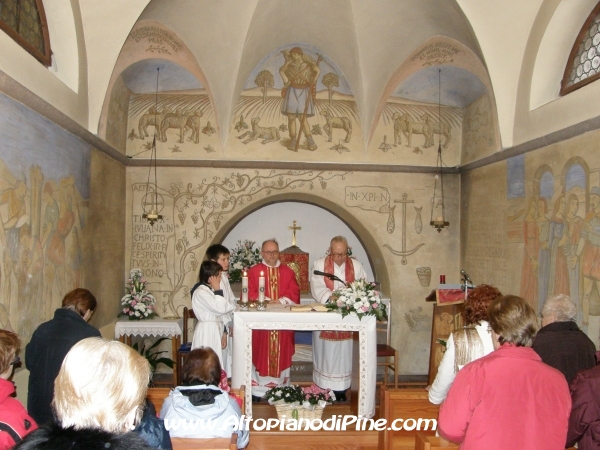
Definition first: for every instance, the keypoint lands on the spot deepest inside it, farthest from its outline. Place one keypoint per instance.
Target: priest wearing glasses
(272, 350)
(332, 350)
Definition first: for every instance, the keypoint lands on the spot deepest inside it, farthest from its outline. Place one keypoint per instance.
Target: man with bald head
(272, 350)
(332, 350)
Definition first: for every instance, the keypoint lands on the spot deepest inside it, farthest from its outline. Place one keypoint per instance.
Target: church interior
(474, 114)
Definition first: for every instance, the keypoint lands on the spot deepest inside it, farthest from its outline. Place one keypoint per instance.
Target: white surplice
(213, 313)
(227, 351)
(332, 360)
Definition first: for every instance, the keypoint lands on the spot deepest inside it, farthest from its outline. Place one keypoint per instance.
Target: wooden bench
(158, 395)
(205, 444)
(411, 403)
(429, 442)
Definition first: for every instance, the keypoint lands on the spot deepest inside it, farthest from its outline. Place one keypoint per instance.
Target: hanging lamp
(150, 201)
(439, 221)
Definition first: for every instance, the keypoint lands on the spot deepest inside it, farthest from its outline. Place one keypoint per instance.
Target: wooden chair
(186, 344)
(404, 403)
(386, 351)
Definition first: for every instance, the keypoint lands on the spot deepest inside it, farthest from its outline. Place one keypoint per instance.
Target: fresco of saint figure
(529, 281)
(299, 73)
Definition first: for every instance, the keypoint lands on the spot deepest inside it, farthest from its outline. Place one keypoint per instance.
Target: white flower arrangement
(360, 298)
(242, 256)
(137, 303)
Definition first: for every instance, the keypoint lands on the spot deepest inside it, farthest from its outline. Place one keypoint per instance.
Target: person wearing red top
(509, 398)
(15, 423)
(272, 350)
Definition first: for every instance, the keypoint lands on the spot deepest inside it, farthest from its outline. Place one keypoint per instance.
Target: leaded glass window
(583, 65)
(25, 22)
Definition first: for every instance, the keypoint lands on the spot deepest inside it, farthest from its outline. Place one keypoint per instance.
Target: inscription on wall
(150, 244)
(486, 253)
(436, 53)
(369, 198)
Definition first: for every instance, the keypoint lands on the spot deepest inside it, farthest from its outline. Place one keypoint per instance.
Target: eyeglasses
(15, 361)
(338, 255)
(272, 253)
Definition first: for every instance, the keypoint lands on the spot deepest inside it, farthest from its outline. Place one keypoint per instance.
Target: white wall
(318, 227)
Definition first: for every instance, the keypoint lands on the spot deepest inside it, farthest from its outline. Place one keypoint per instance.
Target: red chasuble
(272, 350)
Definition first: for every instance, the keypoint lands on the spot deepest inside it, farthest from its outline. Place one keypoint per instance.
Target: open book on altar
(319, 307)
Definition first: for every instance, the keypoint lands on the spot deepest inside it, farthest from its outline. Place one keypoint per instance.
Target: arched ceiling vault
(367, 42)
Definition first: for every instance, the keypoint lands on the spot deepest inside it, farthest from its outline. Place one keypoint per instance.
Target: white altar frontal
(279, 317)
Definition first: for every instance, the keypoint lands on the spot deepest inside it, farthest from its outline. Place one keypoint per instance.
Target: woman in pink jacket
(509, 398)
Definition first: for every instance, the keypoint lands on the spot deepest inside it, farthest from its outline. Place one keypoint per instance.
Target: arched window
(25, 22)
(583, 65)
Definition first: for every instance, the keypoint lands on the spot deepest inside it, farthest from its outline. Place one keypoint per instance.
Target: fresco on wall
(192, 213)
(296, 101)
(43, 213)
(478, 135)
(542, 236)
(181, 115)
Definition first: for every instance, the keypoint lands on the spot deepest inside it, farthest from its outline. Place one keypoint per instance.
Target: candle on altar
(244, 287)
(261, 287)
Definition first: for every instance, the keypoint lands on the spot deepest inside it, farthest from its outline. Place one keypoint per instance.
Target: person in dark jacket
(49, 344)
(99, 395)
(15, 423)
(584, 422)
(560, 343)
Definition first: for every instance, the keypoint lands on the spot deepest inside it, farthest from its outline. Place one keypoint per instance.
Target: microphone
(328, 275)
(466, 276)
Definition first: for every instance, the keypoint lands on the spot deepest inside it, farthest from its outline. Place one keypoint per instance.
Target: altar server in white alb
(220, 254)
(332, 350)
(212, 310)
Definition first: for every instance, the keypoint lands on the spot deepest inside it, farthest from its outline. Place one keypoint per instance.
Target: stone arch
(374, 253)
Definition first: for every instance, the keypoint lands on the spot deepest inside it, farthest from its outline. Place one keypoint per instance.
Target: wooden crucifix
(294, 228)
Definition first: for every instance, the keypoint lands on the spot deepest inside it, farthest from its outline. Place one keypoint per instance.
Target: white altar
(279, 317)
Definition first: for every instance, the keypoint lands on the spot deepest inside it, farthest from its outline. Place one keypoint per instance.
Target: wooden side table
(171, 328)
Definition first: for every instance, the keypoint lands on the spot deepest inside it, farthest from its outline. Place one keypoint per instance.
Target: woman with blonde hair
(98, 397)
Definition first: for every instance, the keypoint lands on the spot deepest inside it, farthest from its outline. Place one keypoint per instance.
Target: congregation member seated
(15, 423)
(508, 399)
(50, 342)
(473, 341)
(584, 422)
(200, 399)
(98, 398)
(560, 343)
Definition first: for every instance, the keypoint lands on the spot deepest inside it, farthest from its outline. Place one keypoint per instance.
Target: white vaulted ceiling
(369, 40)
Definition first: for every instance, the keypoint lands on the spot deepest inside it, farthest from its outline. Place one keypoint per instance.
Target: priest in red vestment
(272, 350)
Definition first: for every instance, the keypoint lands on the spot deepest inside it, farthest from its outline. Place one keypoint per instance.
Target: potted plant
(138, 303)
(153, 356)
(295, 402)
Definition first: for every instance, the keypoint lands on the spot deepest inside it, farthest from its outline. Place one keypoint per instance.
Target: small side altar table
(279, 317)
(125, 328)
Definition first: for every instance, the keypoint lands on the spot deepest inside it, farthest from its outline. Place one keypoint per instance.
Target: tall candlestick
(261, 287)
(244, 287)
